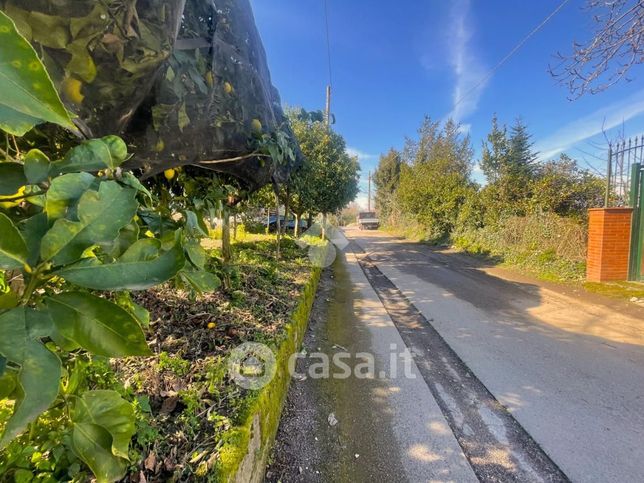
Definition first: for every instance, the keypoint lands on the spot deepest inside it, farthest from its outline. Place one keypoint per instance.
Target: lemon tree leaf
(16, 123)
(97, 325)
(12, 178)
(28, 93)
(132, 181)
(33, 229)
(36, 166)
(13, 249)
(40, 370)
(64, 191)
(111, 412)
(141, 314)
(92, 444)
(201, 280)
(101, 215)
(91, 155)
(196, 253)
(128, 235)
(142, 266)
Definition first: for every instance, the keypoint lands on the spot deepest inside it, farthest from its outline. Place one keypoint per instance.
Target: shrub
(552, 245)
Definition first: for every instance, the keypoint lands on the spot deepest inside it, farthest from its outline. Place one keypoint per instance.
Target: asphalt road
(532, 377)
(386, 424)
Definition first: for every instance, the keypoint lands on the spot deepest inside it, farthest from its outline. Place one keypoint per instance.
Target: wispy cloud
(467, 67)
(361, 155)
(603, 119)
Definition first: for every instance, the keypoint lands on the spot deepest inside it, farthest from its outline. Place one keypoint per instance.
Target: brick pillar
(609, 235)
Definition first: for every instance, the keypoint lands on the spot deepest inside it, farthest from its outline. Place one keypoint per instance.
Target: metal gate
(625, 187)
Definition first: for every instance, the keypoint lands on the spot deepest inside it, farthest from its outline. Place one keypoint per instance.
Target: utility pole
(369, 195)
(327, 110)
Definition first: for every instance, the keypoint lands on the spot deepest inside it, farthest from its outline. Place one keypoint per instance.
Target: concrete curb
(246, 448)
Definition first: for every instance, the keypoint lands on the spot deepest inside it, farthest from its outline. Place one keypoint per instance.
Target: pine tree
(522, 158)
(495, 152)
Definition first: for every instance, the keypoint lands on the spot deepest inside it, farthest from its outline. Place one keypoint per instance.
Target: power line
(511, 53)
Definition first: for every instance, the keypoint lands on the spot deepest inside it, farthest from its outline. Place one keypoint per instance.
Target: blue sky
(394, 62)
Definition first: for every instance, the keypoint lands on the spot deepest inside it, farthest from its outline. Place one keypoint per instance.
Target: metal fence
(621, 157)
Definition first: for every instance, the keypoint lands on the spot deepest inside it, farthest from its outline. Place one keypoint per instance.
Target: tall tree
(509, 164)
(495, 152)
(436, 183)
(386, 179)
(330, 181)
(522, 158)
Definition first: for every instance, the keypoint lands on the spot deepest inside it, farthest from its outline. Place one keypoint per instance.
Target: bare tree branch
(617, 45)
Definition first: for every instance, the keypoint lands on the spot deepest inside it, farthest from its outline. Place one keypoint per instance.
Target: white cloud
(361, 155)
(591, 125)
(468, 69)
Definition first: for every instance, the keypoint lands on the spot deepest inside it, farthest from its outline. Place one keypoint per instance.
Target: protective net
(184, 81)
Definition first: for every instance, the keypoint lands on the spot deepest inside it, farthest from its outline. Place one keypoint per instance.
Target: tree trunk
(323, 225)
(278, 227)
(296, 230)
(286, 206)
(309, 220)
(235, 226)
(226, 251)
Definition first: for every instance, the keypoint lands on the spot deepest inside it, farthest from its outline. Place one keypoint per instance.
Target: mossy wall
(245, 451)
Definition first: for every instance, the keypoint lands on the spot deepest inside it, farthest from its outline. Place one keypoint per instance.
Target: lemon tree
(73, 228)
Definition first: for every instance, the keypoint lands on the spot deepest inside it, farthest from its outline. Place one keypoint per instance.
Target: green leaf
(101, 216)
(36, 166)
(8, 383)
(27, 88)
(194, 227)
(92, 444)
(38, 381)
(141, 314)
(182, 117)
(9, 300)
(142, 266)
(12, 178)
(81, 63)
(15, 122)
(33, 230)
(124, 299)
(111, 412)
(40, 370)
(13, 250)
(118, 149)
(196, 253)
(64, 191)
(49, 30)
(97, 325)
(142, 251)
(128, 235)
(132, 181)
(200, 280)
(91, 155)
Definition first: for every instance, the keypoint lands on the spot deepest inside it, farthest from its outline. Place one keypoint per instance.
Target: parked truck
(367, 220)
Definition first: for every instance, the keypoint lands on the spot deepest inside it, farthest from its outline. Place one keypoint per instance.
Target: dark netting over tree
(183, 81)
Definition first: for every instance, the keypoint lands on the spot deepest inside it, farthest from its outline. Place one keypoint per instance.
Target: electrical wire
(511, 53)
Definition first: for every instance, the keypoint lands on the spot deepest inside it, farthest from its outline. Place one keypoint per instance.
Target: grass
(623, 290)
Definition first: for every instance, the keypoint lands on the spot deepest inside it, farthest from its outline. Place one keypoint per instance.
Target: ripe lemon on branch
(169, 174)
